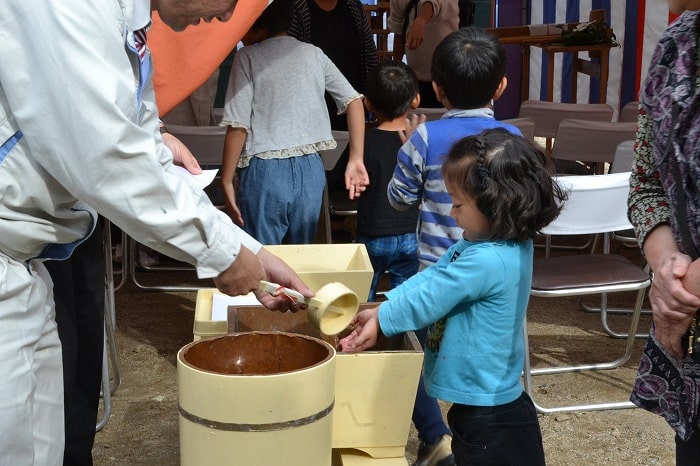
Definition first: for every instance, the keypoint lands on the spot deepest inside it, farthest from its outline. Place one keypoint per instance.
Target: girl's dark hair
(391, 86)
(510, 178)
(277, 17)
(469, 65)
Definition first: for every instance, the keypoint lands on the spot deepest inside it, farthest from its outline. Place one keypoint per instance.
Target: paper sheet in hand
(221, 302)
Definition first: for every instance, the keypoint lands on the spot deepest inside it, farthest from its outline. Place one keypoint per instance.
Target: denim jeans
(427, 416)
(507, 434)
(280, 199)
(397, 255)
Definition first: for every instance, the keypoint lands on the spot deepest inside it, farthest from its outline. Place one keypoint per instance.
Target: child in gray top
(277, 123)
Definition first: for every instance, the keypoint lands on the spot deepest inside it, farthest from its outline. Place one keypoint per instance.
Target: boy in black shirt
(388, 234)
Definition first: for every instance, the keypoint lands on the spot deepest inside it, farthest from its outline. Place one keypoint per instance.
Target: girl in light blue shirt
(475, 297)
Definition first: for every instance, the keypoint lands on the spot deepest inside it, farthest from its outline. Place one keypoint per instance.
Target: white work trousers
(31, 377)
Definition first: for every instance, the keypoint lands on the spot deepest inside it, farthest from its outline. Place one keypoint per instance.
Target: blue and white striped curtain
(637, 24)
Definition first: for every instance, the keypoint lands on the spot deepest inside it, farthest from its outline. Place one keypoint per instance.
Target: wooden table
(546, 37)
(598, 70)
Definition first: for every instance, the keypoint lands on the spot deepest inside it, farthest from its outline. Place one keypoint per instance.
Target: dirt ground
(153, 326)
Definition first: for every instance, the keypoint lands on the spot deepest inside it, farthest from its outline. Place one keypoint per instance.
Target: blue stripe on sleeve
(8, 145)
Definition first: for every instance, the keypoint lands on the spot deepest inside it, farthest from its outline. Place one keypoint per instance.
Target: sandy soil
(153, 326)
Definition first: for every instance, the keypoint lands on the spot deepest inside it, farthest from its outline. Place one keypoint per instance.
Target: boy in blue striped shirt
(469, 73)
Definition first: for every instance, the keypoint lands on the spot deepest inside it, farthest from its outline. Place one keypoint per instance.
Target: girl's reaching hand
(365, 333)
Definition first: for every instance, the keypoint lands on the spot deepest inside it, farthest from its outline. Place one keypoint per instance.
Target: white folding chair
(588, 274)
(622, 163)
(585, 146)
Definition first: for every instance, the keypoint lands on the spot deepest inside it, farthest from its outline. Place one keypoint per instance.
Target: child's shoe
(439, 454)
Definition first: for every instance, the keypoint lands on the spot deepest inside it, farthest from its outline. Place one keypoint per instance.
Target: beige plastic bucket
(256, 399)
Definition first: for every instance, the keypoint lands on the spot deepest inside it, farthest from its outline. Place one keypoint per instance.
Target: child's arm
(233, 146)
(365, 333)
(406, 184)
(356, 177)
(412, 122)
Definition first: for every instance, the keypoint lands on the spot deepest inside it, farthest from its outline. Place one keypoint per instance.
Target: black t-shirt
(375, 216)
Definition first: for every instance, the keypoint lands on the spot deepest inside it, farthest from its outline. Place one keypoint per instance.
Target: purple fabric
(665, 385)
(668, 387)
(671, 87)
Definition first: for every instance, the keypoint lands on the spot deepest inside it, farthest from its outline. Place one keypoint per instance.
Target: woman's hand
(233, 147)
(672, 304)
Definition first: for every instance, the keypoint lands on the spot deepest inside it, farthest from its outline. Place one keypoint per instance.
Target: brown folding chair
(629, 112)
(525, 125)
(207, 144)
(548, 115)
(589, 144)
(430, 113)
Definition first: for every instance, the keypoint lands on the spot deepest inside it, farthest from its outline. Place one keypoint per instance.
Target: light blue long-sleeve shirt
(475, 297)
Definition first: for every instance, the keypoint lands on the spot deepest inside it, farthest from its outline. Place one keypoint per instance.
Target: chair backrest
(430, 113)
(629, 112)
(590, 141)
(218, 113)
(205, 142)
(330, 157)
(622, 161)
(595, 204)
(525, 125)
(548, 115)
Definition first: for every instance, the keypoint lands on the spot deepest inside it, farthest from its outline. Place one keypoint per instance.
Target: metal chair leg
(528, 372)
(106, 394)
(109, 355)
(605, 310)
(133, 257)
